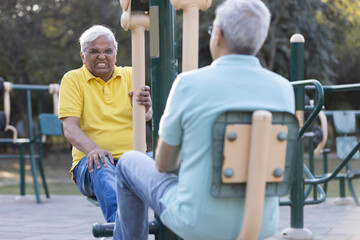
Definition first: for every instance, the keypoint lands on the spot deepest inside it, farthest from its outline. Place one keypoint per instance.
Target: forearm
(167, 157)
(79, 139)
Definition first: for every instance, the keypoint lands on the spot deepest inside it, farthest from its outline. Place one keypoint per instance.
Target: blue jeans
(99, 184)
(139, 185)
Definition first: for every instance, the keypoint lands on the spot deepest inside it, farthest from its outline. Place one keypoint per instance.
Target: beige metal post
(138, 23)
(54, 90)
(7, 110)
(190, 48)
(7, 89)
(256, 180)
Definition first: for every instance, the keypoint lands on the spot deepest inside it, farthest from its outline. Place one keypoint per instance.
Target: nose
(101, 55)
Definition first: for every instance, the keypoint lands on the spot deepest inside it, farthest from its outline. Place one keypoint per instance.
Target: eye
(94, 51)
(108, 51)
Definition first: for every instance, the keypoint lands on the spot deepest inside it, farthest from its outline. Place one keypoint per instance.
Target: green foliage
(344, 23)
(38, 38)
(39, 41)
(289, 17)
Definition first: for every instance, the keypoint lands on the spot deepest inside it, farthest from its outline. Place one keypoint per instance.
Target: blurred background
(39, 44)
(39, 39)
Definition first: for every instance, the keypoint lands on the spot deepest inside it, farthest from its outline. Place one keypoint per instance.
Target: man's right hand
(97, 155)
(83, 143)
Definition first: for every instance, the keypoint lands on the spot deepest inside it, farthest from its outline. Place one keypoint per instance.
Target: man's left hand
(144, 98)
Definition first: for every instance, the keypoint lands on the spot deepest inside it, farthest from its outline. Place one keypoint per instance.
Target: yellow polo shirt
(104, 108)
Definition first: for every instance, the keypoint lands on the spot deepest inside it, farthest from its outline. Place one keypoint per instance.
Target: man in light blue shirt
(234, 81)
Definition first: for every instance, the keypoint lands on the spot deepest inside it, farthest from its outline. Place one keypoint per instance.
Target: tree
(289, 17)
(345, 25)
(39, 39)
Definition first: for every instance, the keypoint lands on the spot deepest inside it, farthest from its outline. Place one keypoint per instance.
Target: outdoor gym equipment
(298, 195)
(5, 88)
(239, 169)
(135, 17)
(48, 125)
(190, 48)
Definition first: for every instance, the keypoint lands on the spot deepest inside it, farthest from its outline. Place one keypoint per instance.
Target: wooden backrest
(253, 157)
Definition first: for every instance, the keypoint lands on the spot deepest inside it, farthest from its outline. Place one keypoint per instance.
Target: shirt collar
(89, 75)
(236, 59)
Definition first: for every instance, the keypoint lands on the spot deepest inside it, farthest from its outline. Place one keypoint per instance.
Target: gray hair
(244, 23)
(93, 33)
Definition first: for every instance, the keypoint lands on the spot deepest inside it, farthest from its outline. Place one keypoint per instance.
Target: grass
(54, 188)
(333, 185)
(59, 183)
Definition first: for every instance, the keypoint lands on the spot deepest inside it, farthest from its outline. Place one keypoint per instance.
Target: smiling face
(99, 57)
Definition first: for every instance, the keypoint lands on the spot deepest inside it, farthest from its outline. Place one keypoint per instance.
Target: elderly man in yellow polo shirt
(95, 107)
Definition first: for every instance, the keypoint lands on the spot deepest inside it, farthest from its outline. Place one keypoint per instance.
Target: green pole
(164, 63)
(31, 146)
(164, 68)
(22, 170)
(297, 189)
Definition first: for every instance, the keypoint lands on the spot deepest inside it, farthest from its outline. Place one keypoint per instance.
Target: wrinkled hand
(143, 97)
(97, 155)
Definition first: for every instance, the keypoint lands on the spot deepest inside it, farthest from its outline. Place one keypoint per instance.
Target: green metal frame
(164, 69)
(30, 141)
(345, 163)
(298, 194)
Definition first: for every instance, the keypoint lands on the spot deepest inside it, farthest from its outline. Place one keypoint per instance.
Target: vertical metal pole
(31, 146)
(22, 170)
(190, 50)
(297, 230)
(164, 63)
(325, 167)
(297, 189)
(138, 78)
(164, 68)
(311, 159)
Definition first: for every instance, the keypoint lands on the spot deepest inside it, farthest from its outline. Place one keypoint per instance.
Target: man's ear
(82, 57)
(219, 36)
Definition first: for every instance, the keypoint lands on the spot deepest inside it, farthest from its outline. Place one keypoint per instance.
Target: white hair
(93, 33)
(244, 23)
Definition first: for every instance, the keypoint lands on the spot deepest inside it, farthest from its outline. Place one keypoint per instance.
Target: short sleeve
(70, 97)
(171, 129)
(128, 75)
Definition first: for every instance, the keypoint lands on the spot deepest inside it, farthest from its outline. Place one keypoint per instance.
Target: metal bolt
(228, 172)
(278, 172)
(231, 136)
(282, 136)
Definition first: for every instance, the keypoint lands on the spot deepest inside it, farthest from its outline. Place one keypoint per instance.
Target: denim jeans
(100, 183)
(139, 185)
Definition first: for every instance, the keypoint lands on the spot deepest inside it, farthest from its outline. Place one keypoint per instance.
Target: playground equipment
(136, 18)
(190, 48)
(298, 196)
(48, 125)
(345, 128)
(5, 88)
(241, 170)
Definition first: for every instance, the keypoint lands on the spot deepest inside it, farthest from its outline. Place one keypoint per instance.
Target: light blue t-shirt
(232, 82)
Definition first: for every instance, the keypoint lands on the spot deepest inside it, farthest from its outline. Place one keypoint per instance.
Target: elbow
(160, 167)
(66, 132)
